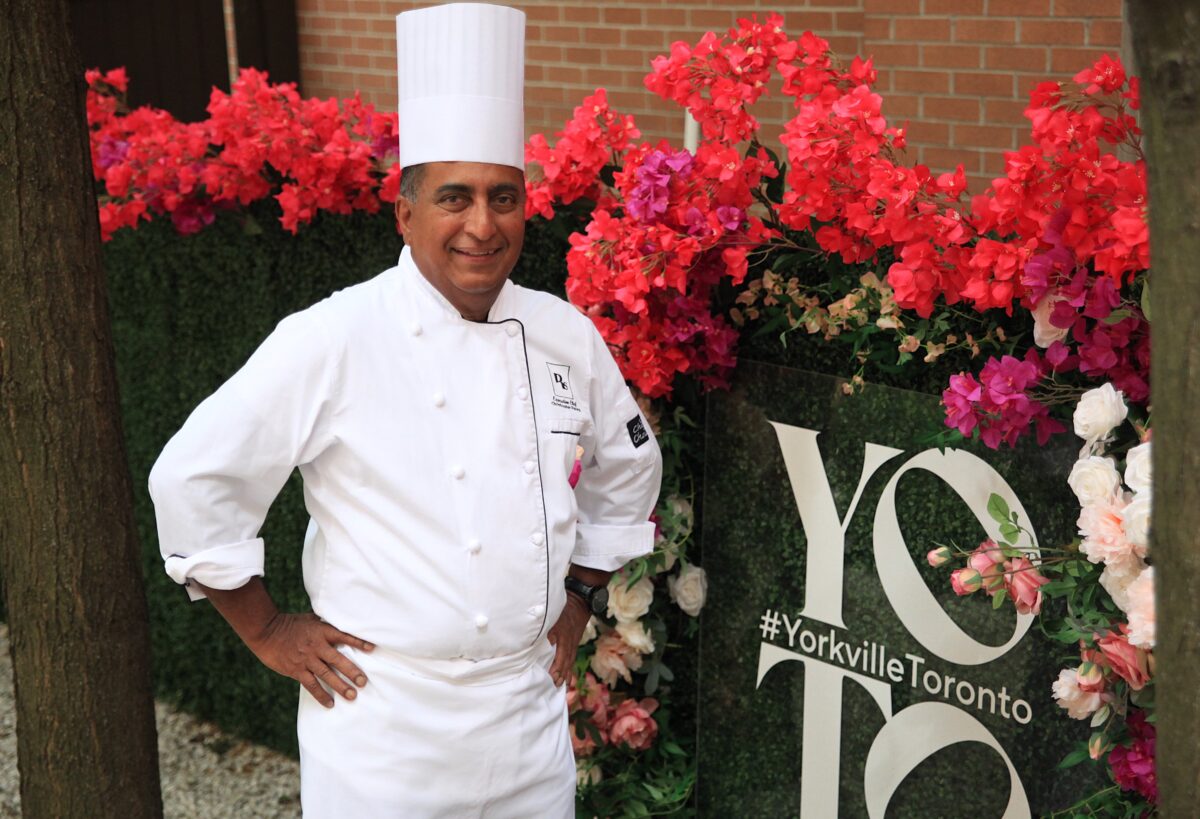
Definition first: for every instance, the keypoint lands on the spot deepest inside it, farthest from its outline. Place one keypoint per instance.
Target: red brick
(983, 85)
(1052, 32)
(901, 106)
(984, 30)
(1016, 59)
(847, 47)
(380, 44)
(798, 22)
(600, 35)
(623, 16)
(310, 41)
(366, 6)
(941, 160)
(561, 34)
(956, 108)
(385, 26)
(335, 6)
(1073, 60)
(922, 29)
(984, 136)
(892, 56)
(951, 56)
(353, 24)
(954, 7)
(582, 56)
(924, 132)
(994, 164)
(646, 38)
(356, 60)
(922, 82)
(1018, 8)
(977, 183)
(892, 7)
(1087, 8)
(878, 28)
(543, 14)
(602, 77)
(711, 19)
(1001, 112)
(1105, 33)
(626, 57)
(580, 14)
(324, 57)
(671, 19)
(851, 21)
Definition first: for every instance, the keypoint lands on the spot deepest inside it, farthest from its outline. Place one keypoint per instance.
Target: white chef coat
(435, 453)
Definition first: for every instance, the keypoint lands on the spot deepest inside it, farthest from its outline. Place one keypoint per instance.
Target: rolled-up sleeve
(217, 477)
(620, 481)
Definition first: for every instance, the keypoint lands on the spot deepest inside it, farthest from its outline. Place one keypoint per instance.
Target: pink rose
(1022, 581)
(596, 698)
(1104, 540)
(1080, 704)
(613, 659)
(1127, 662)
(939, 556)
(582, 741)
(632, 724)
(965, 581)
(988, 559)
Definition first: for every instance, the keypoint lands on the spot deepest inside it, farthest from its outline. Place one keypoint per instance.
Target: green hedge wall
(187, 312)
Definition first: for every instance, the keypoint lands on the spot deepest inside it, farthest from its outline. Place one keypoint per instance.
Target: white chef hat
(462, 82)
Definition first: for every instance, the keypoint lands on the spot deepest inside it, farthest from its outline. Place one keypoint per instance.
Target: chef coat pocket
(562, 445)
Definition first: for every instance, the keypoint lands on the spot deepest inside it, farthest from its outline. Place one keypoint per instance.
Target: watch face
(600, 601)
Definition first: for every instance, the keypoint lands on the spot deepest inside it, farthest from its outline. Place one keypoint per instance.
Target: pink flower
(987, 559)
(1022, 581)
(613, 658)
(1127, 661)
(632, 724)
(939, 556)
(1080, 704)
(1104, 540)
(965, 581)
(1140, 608)
(1133, 765)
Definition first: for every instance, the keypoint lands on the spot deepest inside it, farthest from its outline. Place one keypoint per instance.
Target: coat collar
(430, 302)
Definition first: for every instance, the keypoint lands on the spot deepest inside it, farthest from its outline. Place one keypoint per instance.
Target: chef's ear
(403, 215)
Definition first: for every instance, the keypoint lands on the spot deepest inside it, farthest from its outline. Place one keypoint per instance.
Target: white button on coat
(457, 472)
(439, 400)
(481, 621)
(473, 546)
(537, 538)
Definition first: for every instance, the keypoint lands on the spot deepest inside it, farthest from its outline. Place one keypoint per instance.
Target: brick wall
(959, 71)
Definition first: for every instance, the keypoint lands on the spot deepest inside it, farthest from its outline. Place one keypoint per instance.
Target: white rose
(1079, 704)
(589, 632)
(682, 509)
(1094, 479)
(1137, 468)
(689, 589)
(1135, 520)
(1045, 333)
(1141, 610)
(626, 603)
(636, 637)
(1098, 412)
(1116, 579)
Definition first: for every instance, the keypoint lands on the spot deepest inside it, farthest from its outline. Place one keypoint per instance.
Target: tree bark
(1166, 41)
(68, 547)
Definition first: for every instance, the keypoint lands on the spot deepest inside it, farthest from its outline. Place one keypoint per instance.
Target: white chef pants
(493, 746)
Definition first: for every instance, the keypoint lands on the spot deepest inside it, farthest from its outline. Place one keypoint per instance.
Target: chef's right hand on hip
(303, 647)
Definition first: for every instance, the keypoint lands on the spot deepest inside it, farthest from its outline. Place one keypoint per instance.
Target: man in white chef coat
(434, 413)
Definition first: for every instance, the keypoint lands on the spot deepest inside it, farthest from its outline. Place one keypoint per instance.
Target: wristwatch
(594, 597)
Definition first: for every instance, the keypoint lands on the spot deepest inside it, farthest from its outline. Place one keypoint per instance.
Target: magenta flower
(1133, 765)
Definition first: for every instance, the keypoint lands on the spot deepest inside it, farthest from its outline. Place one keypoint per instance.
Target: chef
(435, 413)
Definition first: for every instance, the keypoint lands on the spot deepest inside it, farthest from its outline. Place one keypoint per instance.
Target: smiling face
(465, 227)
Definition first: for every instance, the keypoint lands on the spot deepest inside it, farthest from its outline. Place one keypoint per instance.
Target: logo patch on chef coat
(637, 432)
(560, 384)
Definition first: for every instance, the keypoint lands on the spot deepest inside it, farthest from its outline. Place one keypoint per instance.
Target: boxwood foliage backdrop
(187, 312)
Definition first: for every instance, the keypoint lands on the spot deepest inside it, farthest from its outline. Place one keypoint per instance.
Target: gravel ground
(205, 774)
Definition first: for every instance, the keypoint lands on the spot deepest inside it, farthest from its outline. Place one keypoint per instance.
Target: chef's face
(465, 225)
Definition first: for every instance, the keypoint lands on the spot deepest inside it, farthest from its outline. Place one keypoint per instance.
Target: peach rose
(632, 724)
(1104, 540)
(1080, 704)
(582, 741)
(1140, 608)
(987, 559)
(965, 581)
(613, 658)
(1022, 581)
(1127, 661)
(595, 699)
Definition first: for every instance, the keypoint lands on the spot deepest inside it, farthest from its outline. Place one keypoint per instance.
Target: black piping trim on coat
(541, 483)
(564, 432)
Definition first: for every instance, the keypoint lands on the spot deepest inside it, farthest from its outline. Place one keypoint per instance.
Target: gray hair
(410, 181)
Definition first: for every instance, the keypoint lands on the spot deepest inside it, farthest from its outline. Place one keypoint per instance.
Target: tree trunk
(68, 547)
(1166, 41)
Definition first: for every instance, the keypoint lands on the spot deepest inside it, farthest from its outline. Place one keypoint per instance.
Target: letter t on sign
(824, 531)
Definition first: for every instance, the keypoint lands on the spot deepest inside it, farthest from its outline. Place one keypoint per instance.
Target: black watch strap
(595, 597)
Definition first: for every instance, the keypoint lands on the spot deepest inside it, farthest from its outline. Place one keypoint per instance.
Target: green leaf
(998, 508)
(1010, 532)
(1146, 299)
(1074, 758)
(998, 599)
